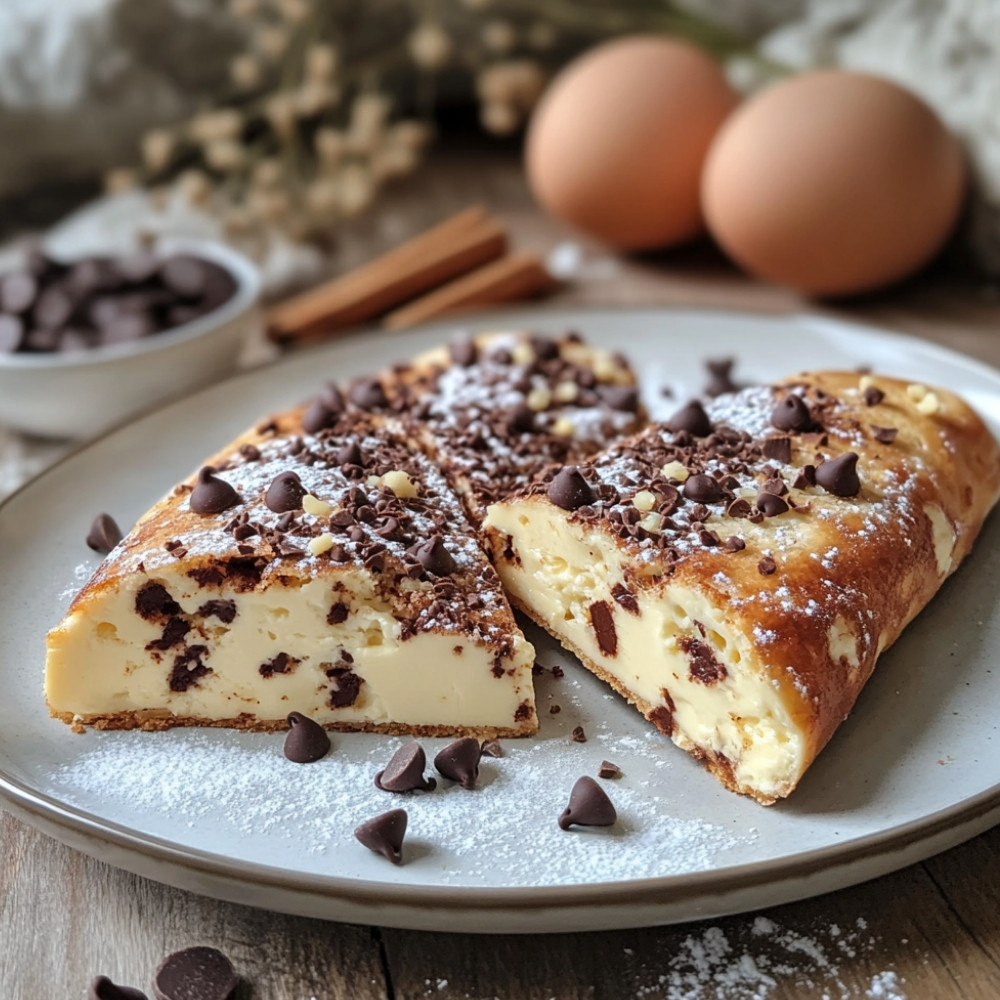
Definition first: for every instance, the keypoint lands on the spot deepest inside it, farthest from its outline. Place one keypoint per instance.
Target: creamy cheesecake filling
(675, 653)
(280, 653)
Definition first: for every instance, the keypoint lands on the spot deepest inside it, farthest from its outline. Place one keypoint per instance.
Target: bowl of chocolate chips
(85, 342)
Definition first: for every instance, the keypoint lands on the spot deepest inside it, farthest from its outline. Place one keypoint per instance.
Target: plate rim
(31, 804)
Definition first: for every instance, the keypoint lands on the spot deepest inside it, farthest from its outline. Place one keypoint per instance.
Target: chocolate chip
(779, 449)
(806, 477)
(224, 610)
(459, 761)
(884, 435)
(53, 308)
(463, 351)
(766, 566)
(620, 397)
(608, 770)
(368, 394)
(691, 418)
(285, 493)
(434, 557)
(579, 736)
(212, 494)
(405, 772)
(791, 414)
(384, 834)
(519, 419)
(154, 600)
(104, 534)
(18, 292)
(11, 334)
(185, 276)
(306, 740)
(570, 490)
(103, 988)
(317, 416)
(338, 613)
(545, 348)
(873, 396)
(589, 805)
(349, 454)
(839, 476)
(735, 544)
(199, 973)
(720, 379)
(603, 619)
(702, 488)
(770, 504)
(491, 748)
(740, 507)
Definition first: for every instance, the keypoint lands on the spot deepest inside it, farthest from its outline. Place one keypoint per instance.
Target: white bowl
(80, 394)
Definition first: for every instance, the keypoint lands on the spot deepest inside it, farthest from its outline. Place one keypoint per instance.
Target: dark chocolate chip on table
(306, 740)
(212, 494)
(285, 493)
(608, 770)
(589, 805)
(384, 834)
(691, 418)
(839, 476)
(491, 748)
(579, 736)
(104, 534)
(405, 772)
(103, 988)
(459, 761)
(199, 973)
(570, 490)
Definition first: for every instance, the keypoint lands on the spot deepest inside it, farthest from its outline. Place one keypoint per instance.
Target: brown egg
(833, 183)
(617, 143)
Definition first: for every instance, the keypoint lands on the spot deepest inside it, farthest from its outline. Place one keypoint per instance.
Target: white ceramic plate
(911, 772)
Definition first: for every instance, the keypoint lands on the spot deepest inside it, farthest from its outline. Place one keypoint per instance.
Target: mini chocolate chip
(285, 493)
(579, 736)
(620, 397)
(212, 494)
(589, 805)
(570, 490)
(224, 610)
(740, 507)
(839, 476)
(104, 534)
(735, 544)
(306, 740)
(368, 394)
(770, 504)
(198, 973)
(459, 761)
(434, 557)
(779, 449)
(791, 414)
(405, 772)
(463, 351)
(884, 435)
(349, 454)
(384, 834)
(103, 988)
(702, 488)
(545, 348)
(608, 770)
(805, 478)
(873, 396)
(184, 276)
(691, 418)
(766, 566)
(491, 748)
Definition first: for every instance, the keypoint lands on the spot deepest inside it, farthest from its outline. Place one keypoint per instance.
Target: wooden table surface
(928, 932)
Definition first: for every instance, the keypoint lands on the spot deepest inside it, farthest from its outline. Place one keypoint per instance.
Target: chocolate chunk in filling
(603, 619)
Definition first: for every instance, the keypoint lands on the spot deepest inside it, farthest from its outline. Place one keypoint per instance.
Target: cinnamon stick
(454, 247)
(512, 278)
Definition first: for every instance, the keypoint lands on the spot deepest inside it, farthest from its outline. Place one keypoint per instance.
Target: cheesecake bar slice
(737, 571)
(319, 564)
(495, 410)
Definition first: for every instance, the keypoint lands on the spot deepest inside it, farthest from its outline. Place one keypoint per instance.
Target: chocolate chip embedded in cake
(739, 590)
(354, 592)
(493, 412)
